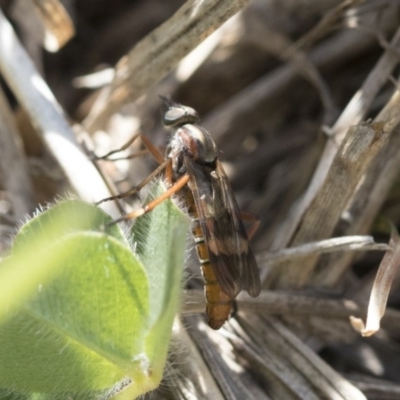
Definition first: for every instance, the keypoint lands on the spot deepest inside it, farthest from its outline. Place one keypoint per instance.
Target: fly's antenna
(168, 101)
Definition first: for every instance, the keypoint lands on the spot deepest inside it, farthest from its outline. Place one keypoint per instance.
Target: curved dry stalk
(13, 164)
(345, 243)
(59, 28)
(381, 288)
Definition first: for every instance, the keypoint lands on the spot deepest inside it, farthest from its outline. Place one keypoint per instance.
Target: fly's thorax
(193, 141)
(175, 154)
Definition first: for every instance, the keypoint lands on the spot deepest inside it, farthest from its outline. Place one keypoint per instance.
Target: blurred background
(270, 85)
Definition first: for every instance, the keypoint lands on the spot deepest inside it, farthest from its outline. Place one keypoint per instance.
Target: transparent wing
(230, 255)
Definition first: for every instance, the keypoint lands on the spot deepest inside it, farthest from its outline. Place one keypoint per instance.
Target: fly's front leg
(122, 148)
(138, 187)
(151, 149)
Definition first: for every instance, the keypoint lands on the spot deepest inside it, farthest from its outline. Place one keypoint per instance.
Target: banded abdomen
(218, 303)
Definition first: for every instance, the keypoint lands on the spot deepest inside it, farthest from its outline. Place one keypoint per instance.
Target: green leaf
(92, 323)
(84, 330)
(66, 217)
(29, 267)
(161, 241)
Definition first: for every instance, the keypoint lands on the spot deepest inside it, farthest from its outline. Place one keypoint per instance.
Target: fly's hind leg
(250, 231)
(253, 219)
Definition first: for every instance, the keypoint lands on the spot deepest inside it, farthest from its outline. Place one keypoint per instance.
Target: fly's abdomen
(218, 304)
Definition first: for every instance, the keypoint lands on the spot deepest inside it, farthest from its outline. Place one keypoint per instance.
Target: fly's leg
(138, 187)
(255, 223)
(150, 148)
(124, 147)
(250, 231)
(178, 185)
(165, 164)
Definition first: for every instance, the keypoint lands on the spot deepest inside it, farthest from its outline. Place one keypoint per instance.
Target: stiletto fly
(195, 173)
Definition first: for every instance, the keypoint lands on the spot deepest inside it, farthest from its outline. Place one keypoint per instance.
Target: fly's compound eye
(177, 116)
(173, 116)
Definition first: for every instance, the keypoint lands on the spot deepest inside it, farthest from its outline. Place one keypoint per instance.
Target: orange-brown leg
(255, 223)
(246, 216)
(152, 149)
(178, 185)
(168, 173)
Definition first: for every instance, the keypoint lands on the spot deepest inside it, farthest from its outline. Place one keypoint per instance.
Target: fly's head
(178, 115)
(188, 139)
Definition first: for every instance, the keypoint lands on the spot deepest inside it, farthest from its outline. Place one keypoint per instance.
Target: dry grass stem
(353, 114)
(316, 377)
(59, 28)
(345, 243)
(197, 380)
(229, 118)
(354, 156)
(47, 116)
(13, 164)
(159, 53)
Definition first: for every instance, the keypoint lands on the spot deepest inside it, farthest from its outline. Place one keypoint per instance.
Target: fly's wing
(230, 255)
(250, 276)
